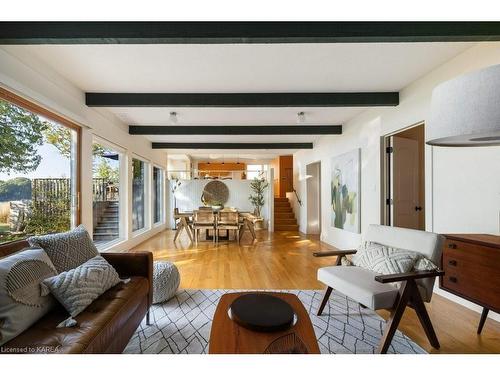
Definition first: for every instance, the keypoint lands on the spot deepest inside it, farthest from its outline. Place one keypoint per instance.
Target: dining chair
(228, 219)
(203, 219)
(182, 222)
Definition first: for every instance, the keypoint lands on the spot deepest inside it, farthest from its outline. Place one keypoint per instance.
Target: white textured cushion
(77, 288)
(385, 260)
(360, 285)
(426, 243)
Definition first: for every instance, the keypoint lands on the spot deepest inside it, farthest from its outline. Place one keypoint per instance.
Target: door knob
(418, 208)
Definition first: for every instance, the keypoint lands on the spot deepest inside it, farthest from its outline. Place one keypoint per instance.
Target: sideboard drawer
(472, 271)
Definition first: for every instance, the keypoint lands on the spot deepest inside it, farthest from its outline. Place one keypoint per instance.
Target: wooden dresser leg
(484, 315)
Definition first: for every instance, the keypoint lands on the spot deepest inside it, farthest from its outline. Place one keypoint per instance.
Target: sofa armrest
(133, 264)
(415, 275)
(333, 253)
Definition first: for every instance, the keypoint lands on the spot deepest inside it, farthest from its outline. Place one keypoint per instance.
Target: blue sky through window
(52, 165)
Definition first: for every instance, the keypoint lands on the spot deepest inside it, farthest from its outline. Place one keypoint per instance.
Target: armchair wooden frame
(409, 295)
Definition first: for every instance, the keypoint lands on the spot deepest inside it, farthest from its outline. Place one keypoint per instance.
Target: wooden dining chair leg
(396, 315)
(188, 230)
(252, 229)
(326, 297)
(237, 236)
(241, 230)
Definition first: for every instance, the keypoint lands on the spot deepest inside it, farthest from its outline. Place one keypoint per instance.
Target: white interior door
(405, 183)
(313, 202)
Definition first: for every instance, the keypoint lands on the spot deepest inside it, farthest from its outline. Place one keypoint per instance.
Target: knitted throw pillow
(67, 250)
(77, 288)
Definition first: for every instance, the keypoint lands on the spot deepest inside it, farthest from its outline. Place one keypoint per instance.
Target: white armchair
(376, 291)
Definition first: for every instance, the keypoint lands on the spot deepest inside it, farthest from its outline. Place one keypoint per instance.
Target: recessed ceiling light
(173, 117)
(301, 117)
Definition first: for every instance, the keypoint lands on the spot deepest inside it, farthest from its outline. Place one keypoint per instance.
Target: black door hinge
(389, 150)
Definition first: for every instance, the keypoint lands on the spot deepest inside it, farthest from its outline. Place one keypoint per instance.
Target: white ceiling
(244, 67)
(234, 116)
(357, 67)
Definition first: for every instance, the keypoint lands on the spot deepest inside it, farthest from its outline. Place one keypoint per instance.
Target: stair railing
(297, 196)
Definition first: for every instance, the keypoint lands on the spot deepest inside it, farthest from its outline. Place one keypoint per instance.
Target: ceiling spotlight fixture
(301, 117)
(173, 117)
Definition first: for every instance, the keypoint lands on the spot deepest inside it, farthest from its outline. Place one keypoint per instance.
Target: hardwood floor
(283, 260)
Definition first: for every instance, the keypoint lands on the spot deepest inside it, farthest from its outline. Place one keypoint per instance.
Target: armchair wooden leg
(326, 297)
(395, 318)
(148, 320)
(423, 316)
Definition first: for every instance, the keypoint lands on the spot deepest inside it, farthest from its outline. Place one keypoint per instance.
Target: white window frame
(147, 195)
(162, 196)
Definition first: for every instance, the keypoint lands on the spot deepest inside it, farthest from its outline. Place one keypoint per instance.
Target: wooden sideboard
(472, 270)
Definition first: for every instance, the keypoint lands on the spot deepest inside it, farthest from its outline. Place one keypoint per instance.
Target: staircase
(107, 226)
(284, 218)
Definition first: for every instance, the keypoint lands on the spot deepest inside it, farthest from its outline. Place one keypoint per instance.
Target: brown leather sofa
(107, 325)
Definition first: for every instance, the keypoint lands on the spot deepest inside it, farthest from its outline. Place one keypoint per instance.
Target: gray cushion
(385, 260)
(67, 250)
(359, 284)
(77, 288)
(21, 301)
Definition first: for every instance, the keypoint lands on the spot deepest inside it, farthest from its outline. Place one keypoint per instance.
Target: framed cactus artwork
(346, 191)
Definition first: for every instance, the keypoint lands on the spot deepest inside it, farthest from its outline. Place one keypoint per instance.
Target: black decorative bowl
(261, 312)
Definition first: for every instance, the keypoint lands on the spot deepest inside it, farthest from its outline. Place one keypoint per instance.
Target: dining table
(246, 218)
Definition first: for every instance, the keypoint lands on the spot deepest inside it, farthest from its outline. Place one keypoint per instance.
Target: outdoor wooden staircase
(107, 227)
(284, 218)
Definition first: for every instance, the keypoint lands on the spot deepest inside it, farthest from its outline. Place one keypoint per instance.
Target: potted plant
(258, 186)
(216, 205)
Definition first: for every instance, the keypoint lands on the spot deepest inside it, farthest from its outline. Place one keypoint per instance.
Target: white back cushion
(427, 243)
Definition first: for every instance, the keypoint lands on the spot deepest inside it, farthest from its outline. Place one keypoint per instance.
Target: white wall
(30, 78)
(188, 196)
(462, 185)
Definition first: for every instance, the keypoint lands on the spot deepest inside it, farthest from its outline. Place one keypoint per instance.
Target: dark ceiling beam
(244, 32)
(231, 146)
(295, 99)
(235, 130)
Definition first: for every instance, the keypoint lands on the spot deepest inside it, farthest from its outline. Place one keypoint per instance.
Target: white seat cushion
(360, 285)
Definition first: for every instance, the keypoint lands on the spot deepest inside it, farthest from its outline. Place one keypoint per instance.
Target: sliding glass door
(106, 194)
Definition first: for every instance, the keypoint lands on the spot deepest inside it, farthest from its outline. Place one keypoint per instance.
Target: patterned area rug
(182, 325)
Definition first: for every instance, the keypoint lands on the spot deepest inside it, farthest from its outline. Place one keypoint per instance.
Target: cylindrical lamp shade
(465, 111)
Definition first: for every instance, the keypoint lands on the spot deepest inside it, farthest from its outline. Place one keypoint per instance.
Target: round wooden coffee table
(228, 337)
